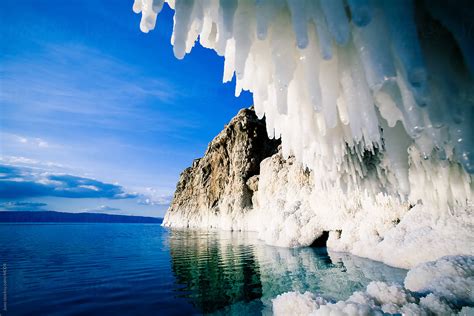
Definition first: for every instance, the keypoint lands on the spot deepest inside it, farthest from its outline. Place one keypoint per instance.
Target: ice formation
(376, 98)
(337, 79)
(376, 226)
(423, 295)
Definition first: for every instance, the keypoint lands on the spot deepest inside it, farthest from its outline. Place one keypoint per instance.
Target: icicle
(404, 39)
(374, 49)
(328, 78)
(361, 12)
(182, 24)
(316, 14)
(336, 20)
(309, 57)
(243, 34)
(283, 61)
(300, 22)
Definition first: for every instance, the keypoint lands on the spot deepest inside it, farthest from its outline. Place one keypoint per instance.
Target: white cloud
(103, 209)
(33, 163)
(41, 143)
(21, 140)
(98, 101)
(153, 197)
(90, 187)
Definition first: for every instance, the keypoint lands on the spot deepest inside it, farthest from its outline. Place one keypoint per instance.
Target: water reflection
(216, 272)
(234, 273)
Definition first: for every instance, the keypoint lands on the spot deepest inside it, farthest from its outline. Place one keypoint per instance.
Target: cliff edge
(218, 188)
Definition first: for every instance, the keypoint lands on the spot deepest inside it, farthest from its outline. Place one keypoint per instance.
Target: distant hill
(62, 217)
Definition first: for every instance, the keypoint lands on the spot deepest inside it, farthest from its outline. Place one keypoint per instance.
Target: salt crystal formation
(376, 98)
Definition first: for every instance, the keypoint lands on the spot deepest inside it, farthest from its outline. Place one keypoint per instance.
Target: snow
(294, 303)
(381, 114)
(421, 296)
(449, 277)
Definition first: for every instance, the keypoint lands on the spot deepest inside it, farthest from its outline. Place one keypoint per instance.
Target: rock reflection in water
(234, 273)
(217, 270)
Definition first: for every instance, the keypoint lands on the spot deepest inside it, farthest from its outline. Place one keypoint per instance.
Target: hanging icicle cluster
(340, 80)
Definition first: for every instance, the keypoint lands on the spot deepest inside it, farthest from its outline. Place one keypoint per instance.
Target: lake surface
(144, 269)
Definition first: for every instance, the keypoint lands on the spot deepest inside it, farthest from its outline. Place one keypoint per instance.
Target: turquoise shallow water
(144, 269)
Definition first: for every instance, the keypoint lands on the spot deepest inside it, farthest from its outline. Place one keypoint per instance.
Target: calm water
(144, 269)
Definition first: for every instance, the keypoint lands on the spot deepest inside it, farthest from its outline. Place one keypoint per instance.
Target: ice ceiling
(356, 89)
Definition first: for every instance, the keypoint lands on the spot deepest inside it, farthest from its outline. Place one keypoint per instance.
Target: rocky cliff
(218, 188)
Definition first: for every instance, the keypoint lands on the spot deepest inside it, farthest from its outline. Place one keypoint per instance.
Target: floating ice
(428, 297)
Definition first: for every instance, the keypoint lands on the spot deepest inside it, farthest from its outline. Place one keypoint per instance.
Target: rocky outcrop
(220, 185)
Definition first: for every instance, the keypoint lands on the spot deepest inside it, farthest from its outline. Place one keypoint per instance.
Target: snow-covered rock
(421, 297)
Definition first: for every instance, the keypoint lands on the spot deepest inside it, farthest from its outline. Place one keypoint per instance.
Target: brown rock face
(219, 182)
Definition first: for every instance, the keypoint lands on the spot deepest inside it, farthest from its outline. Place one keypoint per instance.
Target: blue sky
(89, 104)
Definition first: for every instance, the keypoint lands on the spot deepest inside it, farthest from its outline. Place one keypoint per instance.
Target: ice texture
(421, 296)
(375, 98)
(449, 277)
(358, 64)
(296, 209)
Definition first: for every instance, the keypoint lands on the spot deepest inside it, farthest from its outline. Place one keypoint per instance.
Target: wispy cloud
(103, 209)
(74, 71)
(32, 142)
(44, 166)
(73, 80)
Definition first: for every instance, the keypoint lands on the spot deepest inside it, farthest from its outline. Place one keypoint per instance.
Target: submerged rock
(223, 181)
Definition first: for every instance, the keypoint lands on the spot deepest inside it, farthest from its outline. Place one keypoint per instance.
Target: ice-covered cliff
(243, 183)
(374, 98)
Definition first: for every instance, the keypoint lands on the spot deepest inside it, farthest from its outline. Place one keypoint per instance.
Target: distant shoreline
(63, 217)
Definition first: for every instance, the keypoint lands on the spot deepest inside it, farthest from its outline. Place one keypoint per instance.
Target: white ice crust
(443, 287)
(290, 210)
(362, 93)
